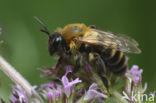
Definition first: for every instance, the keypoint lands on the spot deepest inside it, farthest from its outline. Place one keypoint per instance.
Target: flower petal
(93, 94)
(68, 85)
(135, 74)
(47, 85)
(137, 79)
(93, 86)
(50, 96)
(65, 80)
(67, 90)
(19, 95)
(68, 69)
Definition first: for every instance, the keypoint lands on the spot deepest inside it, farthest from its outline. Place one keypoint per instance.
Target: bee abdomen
(115, 60)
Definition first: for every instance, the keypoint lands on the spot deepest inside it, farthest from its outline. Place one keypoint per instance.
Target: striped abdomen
(115, 60)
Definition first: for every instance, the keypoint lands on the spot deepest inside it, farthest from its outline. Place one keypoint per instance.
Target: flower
(92, 93)
(52, 91)
(54, 95)
(18, 95)
(49, 85)
(65, 90)
(68, 85)
(133, 83)
(134, 74)
(49, 71)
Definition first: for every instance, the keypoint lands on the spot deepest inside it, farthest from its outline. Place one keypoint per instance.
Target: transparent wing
(111, 40)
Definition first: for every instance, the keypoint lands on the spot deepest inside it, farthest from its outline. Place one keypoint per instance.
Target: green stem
(70, 99)
(17, 78)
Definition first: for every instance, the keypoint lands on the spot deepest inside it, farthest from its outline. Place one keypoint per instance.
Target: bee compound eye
(58, 39)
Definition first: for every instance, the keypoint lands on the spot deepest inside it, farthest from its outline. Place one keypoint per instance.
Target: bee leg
(78, 64)
(59, 62)
(101, 68)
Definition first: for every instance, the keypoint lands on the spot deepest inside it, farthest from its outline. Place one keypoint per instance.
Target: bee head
(56, 43)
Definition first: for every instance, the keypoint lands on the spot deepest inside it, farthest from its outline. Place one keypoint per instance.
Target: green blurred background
(26, 48)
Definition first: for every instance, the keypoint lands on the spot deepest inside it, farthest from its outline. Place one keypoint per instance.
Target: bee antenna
(45, 30)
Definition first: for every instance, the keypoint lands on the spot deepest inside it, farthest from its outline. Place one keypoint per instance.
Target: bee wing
(111, 40)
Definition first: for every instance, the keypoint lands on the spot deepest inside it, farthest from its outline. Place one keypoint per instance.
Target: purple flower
(18, 95)
(92, 93)
(47, 85)
(53, 95)
(133, 83)
(50, 96)
(134, 74)
(52, 91)
(49, 71)
(68, 85)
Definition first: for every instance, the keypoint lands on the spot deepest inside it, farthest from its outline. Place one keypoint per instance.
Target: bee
(104, 49)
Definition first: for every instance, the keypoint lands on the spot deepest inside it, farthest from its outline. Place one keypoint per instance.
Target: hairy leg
(101, 68)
